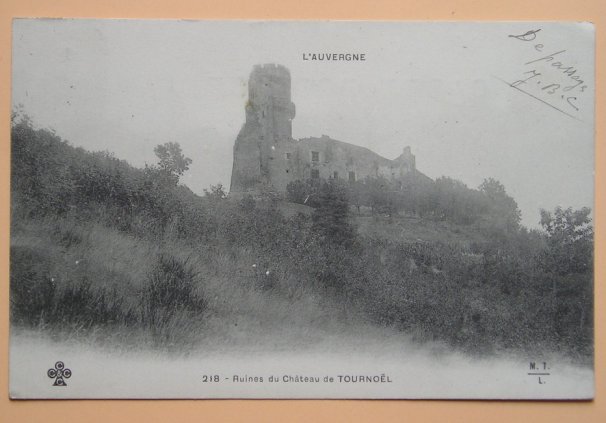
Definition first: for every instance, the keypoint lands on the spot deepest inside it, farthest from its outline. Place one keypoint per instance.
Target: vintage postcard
(255, 209)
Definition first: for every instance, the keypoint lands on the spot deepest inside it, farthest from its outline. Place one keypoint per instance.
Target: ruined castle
(267, 158)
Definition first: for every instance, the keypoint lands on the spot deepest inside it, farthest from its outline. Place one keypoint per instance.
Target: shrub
(331, 218)
(304, 192)
(82, 305)
(32, 290)
(36, 299)
(67, 235)
(171, 287)
(511, 289)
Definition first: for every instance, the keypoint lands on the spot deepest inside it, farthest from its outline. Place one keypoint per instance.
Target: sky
(445, 89)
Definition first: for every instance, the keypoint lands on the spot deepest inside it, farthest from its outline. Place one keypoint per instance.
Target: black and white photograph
(301, 209)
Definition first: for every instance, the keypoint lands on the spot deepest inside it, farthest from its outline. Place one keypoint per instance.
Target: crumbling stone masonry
(267, 158)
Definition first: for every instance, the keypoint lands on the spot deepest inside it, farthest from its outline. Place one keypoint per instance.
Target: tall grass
(102, 249)
(89, 280)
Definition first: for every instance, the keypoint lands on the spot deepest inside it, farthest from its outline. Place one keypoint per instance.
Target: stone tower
(268, 126)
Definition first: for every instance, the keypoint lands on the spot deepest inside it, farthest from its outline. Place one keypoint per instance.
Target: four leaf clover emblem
(59, 373)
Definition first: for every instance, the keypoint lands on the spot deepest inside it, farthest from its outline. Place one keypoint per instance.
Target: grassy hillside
(103, 250)
(416, 229)
(90, 280)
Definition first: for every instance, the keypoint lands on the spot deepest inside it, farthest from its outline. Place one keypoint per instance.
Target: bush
(512, 289)
(32, 291)
(171, 287)
(304, 192)
(83, 306)
(331, 218)
(67, 235)
(36, 299)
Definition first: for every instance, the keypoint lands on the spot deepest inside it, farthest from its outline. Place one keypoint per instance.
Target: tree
(172, 162)
(568, 261)
(504, 211)
(569, 239)
(378, 194)
(297, 191)
(216, 192)
(304, 192)
(331, 217)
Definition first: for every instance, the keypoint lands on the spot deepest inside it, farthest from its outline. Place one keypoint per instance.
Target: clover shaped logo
(59, 373)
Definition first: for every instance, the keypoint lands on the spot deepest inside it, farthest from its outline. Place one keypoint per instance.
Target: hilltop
(103, 250)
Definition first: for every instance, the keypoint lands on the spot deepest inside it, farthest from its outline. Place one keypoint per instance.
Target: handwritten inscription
(549, 76)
